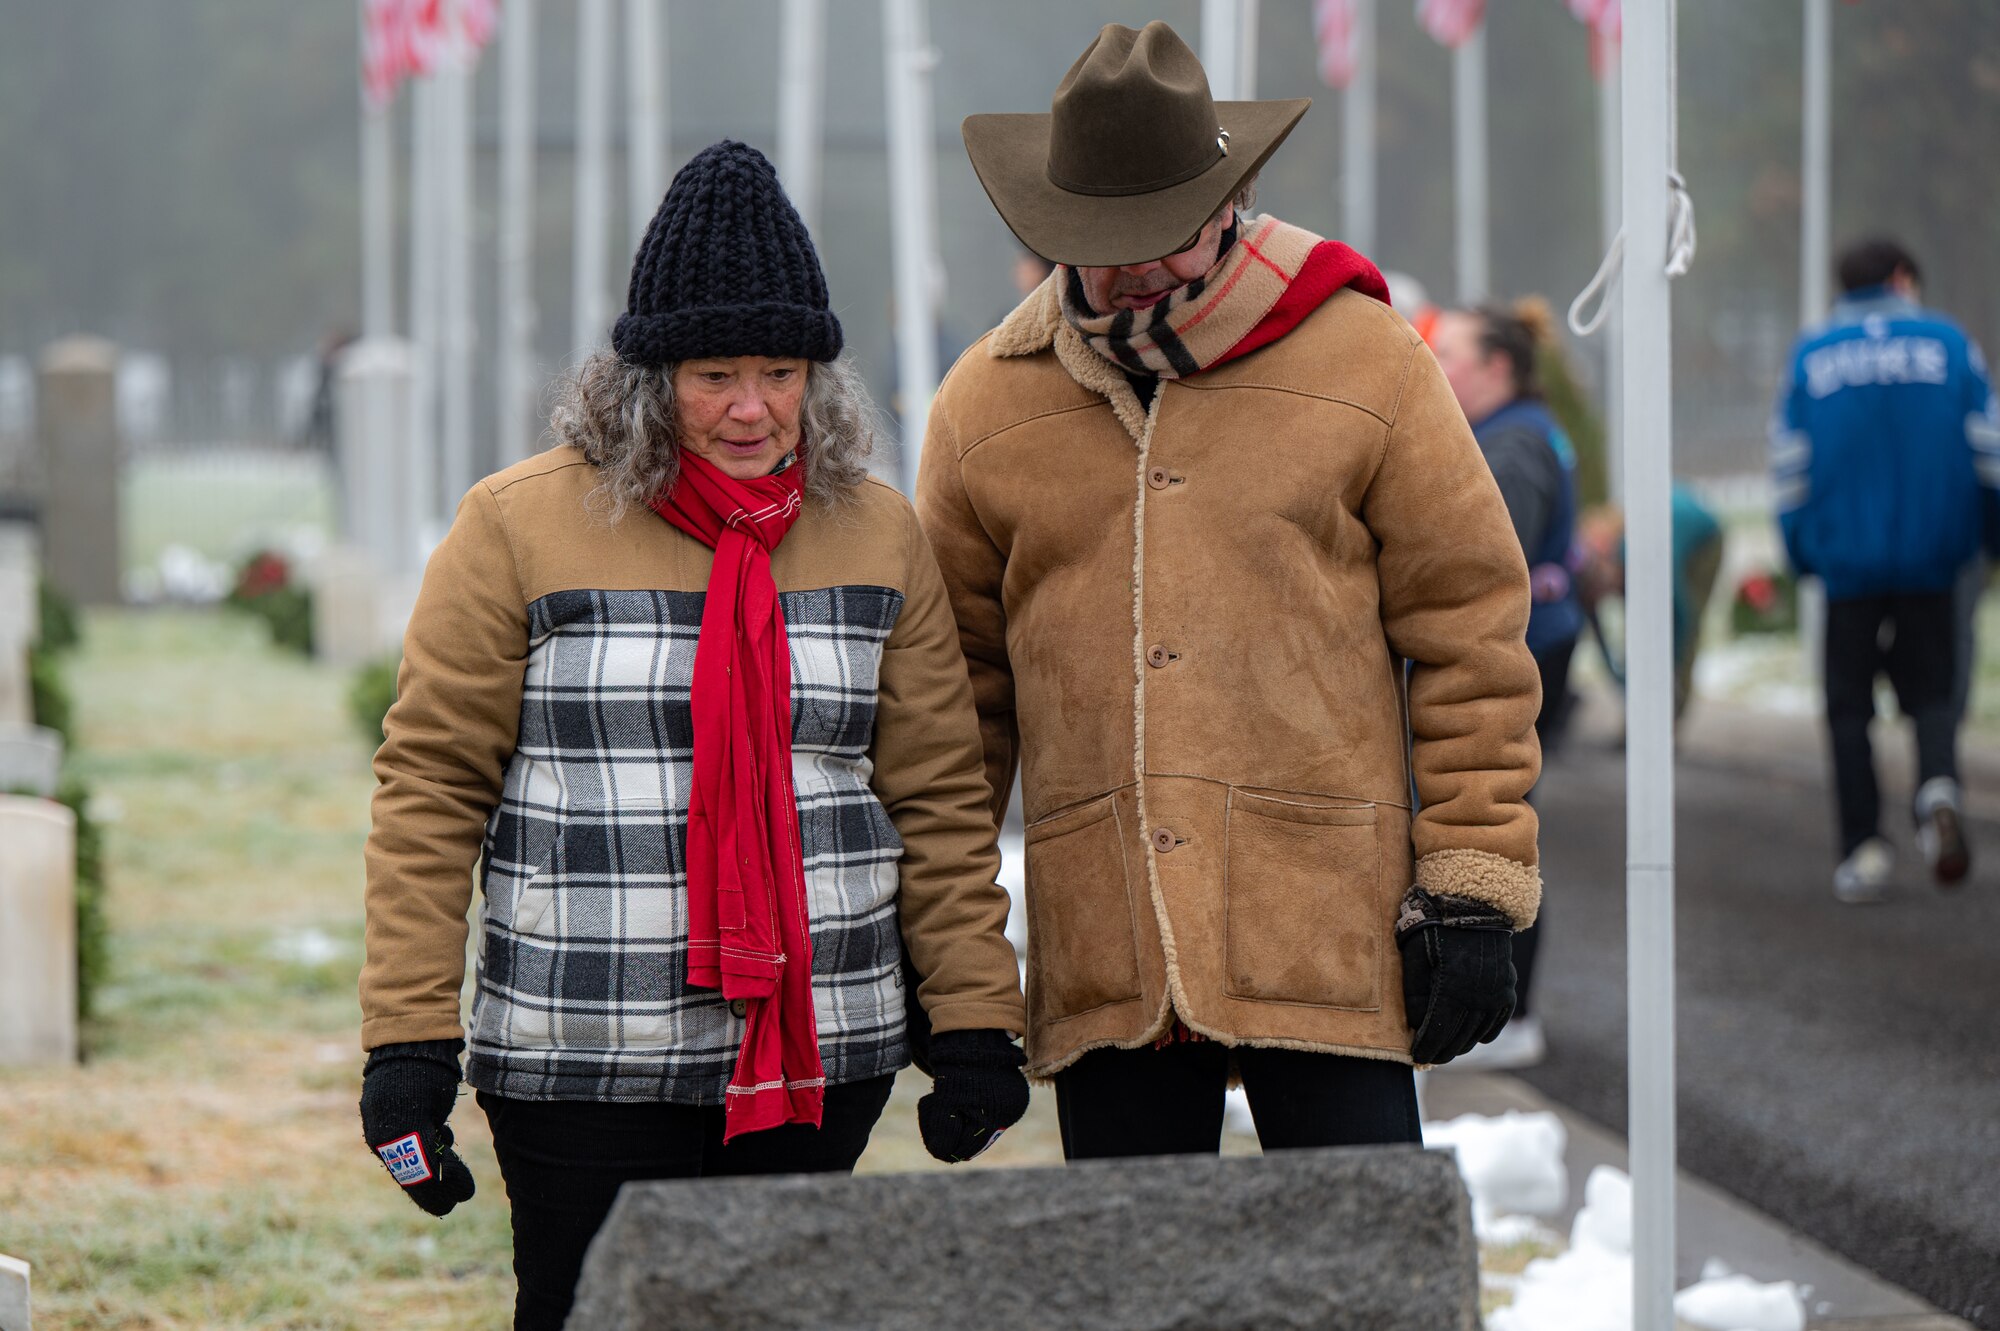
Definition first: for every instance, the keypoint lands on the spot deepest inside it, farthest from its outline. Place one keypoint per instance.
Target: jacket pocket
(1302, 918)
(1082, 943)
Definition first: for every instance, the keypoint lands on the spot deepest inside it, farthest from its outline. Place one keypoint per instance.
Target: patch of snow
(1236, 1115)
(307, 947)
(1512, 1165)
(188, 575)
(1606, 1218)
(1510, 1231)
(1589, 1287)
(1766, 672)
(1585, 1289)
(1738, 1303)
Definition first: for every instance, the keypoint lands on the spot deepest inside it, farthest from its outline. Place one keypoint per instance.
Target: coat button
(1164, 839)
(1159, 478)
(739, 1007)
(1158, 656)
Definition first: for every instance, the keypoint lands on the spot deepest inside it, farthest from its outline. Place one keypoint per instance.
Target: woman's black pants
(563, 1162)
(1168, 1101)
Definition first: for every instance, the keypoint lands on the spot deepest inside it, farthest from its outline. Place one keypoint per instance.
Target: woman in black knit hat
(687, 690)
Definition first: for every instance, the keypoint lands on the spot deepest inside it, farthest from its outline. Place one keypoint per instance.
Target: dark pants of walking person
(1553, 663)
(1911, 637)
(1552, 721)
(1169, 1101)
(563, 1162)
(1965, 598)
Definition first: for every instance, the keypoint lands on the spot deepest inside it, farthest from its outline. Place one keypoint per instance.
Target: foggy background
(183, 178)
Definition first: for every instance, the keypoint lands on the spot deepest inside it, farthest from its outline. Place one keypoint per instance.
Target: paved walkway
(1836, 1064)
(1709, 1222)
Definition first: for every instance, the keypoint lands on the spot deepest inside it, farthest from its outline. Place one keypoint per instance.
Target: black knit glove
(979, 1092)
(407, 1091)
(1458, 973)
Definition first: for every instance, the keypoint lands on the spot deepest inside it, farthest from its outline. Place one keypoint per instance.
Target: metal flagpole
(1468, 113)
(517, 232)
(1229, 48)
(454, 91)
(589, 243)
(802, 104)
(424, 161)
(1357, 128)
(1648, 157)
(378, 225)
(645, 110)
(907, 61)
(1612, 218)
(1816, 172)
(1815, 176)
(1222, 48)
(1246, 50)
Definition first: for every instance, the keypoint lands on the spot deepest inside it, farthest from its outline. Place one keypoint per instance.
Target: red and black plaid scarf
(1260, 289)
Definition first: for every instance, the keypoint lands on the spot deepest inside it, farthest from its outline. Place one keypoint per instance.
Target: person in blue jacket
(1885, 452)
(1489, 356)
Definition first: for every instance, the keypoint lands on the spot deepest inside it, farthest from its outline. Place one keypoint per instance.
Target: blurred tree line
(182, 177)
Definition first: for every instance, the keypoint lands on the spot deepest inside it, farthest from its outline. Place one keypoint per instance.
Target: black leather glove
(407, 1091)
(979, 1092)
(1458, 973)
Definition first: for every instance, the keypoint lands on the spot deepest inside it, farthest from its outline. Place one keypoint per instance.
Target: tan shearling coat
(1188, 627)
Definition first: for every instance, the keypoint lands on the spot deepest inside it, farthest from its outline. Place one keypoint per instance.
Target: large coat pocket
(1301, 885)
(1082, 941)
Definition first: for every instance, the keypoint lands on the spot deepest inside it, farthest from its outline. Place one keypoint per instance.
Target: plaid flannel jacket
(551, 665)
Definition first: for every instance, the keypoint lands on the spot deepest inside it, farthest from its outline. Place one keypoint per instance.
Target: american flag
(477, 20)
(1333, 26)
(1605, 17)
(1451, 21)
(403, 39)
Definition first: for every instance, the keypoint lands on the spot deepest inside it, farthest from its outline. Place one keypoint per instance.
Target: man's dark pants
(1169, 1100)
(1912, 637)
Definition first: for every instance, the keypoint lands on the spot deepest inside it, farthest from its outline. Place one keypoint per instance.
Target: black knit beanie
(726, 269)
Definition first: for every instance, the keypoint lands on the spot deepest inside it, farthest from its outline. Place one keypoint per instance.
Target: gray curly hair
(623, 418)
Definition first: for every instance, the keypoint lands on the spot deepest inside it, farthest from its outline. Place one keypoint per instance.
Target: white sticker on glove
(405, 1158)
(988, 1144)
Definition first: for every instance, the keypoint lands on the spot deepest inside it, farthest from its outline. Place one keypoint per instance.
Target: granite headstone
(1374, 1239)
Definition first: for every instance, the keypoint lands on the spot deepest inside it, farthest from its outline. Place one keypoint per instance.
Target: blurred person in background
(1698, 546)
(687, 687)
(1885, 449)
(322, 417)
(1489, 357)
(1597, 561)
(1196, 499)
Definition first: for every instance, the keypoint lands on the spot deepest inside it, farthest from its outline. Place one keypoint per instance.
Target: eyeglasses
(1196, 240)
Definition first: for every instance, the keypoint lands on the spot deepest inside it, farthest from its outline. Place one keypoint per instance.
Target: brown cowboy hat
(1132, 158)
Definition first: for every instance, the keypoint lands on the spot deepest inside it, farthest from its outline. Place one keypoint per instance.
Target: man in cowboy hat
(1241, 600)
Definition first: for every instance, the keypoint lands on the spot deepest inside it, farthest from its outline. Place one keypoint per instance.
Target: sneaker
(1941, 832)
(1863, 877)
(1520, 1044)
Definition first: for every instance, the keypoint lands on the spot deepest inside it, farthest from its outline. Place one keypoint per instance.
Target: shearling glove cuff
(407, 1092)
(979, 1093)
(1458, 973)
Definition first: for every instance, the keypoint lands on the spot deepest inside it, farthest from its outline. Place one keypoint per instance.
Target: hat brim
(1010, 154)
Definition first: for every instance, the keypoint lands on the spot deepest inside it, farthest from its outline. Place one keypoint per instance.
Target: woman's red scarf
(748, 928)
